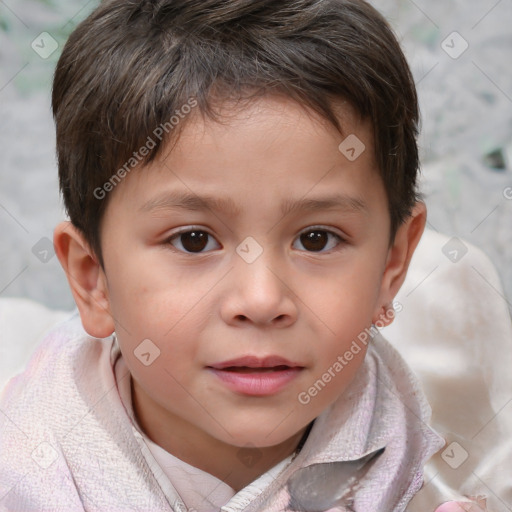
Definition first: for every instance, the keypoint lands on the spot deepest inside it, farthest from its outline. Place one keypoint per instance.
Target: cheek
(147, 295)
(160, 319)
(162, 354)
(345, 300)
(343, 305)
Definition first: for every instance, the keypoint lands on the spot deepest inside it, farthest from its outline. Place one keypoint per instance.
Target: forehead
(264, 146)
(281, 113)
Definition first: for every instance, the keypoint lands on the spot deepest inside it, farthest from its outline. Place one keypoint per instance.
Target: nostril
(241, 318)
(282, 321)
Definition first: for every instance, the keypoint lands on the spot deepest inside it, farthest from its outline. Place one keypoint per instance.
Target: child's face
(269, 180)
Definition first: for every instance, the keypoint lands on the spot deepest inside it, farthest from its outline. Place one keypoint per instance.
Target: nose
(258, 295)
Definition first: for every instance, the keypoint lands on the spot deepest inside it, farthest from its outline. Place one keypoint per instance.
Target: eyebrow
(334, 202)
(193, 202)
(189, 201)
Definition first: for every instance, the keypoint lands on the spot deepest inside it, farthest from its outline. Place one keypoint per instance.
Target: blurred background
(460, 53)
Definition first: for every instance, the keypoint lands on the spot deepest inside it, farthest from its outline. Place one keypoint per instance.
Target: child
(240, 178)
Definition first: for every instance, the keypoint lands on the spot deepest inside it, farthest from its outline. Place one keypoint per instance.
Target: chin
(260, 435)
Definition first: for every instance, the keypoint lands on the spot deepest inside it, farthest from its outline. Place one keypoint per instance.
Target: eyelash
(311, 229)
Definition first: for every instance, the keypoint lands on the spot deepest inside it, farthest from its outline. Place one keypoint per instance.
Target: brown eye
(314, 240)
(317, 240)
(194, 241)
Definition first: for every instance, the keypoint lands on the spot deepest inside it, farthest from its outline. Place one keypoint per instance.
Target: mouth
(255, 376)
(251, 369)
(255, 363)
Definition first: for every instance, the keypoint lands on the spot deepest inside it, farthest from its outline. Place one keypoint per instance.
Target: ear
(399, 257)
(86, 278)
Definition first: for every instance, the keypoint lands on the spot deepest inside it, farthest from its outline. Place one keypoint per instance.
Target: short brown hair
(131, 65)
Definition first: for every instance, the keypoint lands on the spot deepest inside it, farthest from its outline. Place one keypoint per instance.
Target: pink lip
(256, 376)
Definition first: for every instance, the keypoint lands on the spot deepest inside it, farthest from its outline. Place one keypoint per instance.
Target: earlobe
(385, 316)
(399, 256)
(86, 279)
